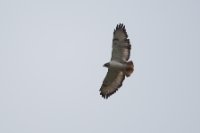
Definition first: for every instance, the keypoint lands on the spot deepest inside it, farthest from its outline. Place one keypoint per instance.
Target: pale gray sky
(51, 57)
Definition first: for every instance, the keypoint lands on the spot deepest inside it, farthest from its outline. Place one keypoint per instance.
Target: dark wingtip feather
(122, 27)
(105, 96)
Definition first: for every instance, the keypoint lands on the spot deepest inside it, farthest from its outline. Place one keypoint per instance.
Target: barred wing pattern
(121, 44)
(112, 82)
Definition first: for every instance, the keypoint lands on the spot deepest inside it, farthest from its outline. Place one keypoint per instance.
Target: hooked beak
(106, 65)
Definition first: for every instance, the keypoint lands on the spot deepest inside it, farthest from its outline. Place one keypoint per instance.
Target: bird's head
(106, 65)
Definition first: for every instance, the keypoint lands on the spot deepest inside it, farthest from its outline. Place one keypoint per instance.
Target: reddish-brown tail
(129, 68)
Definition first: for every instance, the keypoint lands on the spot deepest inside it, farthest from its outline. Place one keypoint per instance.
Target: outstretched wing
(112, 82)
(121, 44)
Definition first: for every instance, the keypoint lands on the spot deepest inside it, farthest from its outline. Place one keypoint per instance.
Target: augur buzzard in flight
(119, 67)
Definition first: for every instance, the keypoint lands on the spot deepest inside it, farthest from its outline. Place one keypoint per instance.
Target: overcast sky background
(51, 57)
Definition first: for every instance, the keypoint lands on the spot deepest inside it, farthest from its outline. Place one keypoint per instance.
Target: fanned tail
(129, 68)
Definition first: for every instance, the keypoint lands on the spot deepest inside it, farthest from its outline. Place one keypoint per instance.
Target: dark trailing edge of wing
(128, 46)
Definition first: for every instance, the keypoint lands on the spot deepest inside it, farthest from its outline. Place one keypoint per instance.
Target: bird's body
(119, 66)
(116, 65)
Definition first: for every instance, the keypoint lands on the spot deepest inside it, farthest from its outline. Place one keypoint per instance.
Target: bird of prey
(119, 67)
